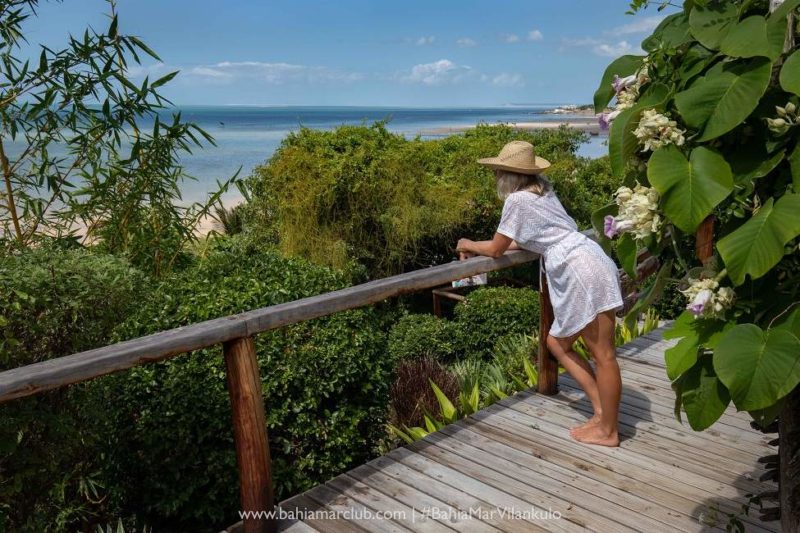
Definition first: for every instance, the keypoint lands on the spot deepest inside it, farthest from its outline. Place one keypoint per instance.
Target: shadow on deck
(514, 467)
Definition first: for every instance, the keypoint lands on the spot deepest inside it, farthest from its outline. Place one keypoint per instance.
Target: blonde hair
(508, 182)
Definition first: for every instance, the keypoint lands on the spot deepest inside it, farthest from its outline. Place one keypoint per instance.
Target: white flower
(637, 214)
(787, 118)
(627, 98)
(656, 130)
(707, 299)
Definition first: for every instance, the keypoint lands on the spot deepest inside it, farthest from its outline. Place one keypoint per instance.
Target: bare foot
(595, 434)
(594, 420)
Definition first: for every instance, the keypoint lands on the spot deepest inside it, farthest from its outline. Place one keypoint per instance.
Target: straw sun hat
(517, 156)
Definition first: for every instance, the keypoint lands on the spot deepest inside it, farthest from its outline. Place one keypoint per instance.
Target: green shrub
(53, 303)
(393, 204)
(583, 185)
(491, 313)
(56, 302)
(171, 457)
(420, 335)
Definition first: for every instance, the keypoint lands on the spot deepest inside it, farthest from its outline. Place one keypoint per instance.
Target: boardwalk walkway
(496, 469)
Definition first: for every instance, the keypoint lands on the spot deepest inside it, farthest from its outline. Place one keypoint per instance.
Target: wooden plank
(349, 513)
(284, 525)
(424, 492)
(317, 516)
(387, 506)
(597, 498)
(657, 450)
(639, 406)
(604, 490)
(671, 476)
(663, 394)
(570, 456)
(250, 433)
(53, 373)
(573, 517)
(493, 497)
(658, 442)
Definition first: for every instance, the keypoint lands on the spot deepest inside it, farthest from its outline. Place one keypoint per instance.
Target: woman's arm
(494, 248)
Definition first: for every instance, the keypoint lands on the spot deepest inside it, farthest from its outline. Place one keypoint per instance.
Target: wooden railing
(235, 334)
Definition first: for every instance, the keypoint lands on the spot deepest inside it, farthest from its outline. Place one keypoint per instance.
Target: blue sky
(358, 52)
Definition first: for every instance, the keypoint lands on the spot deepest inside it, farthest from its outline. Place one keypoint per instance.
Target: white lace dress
(582, 279)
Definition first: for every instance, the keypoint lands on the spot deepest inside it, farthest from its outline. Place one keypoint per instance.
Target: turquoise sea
(247, 136)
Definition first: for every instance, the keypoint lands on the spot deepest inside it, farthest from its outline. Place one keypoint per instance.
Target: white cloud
(508, 80)
(269, 73)
(439, 72)
(425, 41)
(466, 42)
(156, 69)
(535, 35)
(446, 72)
(642, 25)
(600, 47)
(510, 38)
(613, 50)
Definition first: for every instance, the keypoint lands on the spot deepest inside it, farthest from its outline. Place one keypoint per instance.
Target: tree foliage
(363, 194)
(725, 74)
(87, 153)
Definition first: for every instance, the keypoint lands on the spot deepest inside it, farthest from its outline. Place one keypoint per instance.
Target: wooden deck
(495, 470)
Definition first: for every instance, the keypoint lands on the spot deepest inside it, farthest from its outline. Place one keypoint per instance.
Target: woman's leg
(579, 369)
(599, 337)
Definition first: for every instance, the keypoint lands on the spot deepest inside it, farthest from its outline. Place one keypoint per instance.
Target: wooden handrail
(53, 373)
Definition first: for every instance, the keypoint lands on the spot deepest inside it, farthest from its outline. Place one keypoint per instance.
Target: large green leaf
(790, 322)
(757, 245)
(690, 188)
(794, 163)
(703, 395)
(711, 23)
(626, 251)
(758, 367)
(694, 334)
(622, 144)
(672, 32)
(790, 74)
(754, 37)
(724, 97)
(694, 61)
(622, 66)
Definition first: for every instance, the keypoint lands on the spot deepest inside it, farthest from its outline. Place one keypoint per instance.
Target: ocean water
(247, 136)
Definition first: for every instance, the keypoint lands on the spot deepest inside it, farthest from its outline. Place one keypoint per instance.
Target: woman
(583, 281)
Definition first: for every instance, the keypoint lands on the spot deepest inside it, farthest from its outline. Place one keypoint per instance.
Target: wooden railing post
(548, 366)
(250, 433)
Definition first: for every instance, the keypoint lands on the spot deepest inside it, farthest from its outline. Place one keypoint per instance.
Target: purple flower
(610, 227)
(620, 84)
(698, 305)
(605, 119)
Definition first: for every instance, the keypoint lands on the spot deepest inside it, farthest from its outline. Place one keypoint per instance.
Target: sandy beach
(589, 125)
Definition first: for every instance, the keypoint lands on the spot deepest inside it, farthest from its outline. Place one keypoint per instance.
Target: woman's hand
(463, 249)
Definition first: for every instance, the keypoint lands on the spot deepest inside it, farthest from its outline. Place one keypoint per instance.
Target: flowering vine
(638, 213)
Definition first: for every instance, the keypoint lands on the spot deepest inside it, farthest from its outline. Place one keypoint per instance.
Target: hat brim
(540, 164)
